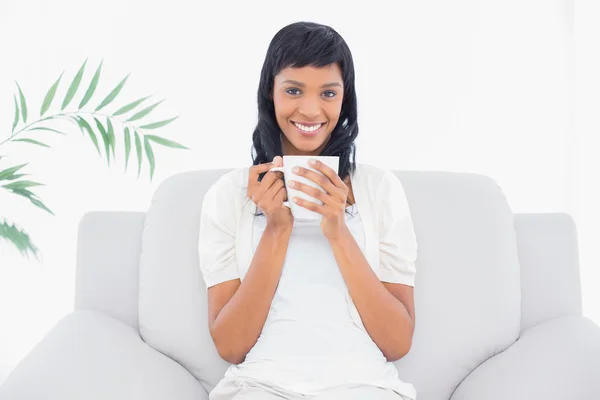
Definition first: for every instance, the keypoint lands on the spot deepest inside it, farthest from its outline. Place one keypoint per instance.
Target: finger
(314, 192)
(328, 172)
(254, 172)
(268, 180)
(322, 181)
(309, 205)
(281, 195)
(273, 190)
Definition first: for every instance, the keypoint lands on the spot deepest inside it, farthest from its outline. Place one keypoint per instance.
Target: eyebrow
(327, 85)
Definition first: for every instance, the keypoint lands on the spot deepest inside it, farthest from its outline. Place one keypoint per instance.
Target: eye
(291, 90)
(330, 93)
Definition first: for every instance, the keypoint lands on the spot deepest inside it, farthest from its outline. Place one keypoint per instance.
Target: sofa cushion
(467, 291)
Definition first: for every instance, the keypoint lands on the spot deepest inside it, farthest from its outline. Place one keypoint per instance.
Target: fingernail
(291, 184)
(295, 170)
(312, 161)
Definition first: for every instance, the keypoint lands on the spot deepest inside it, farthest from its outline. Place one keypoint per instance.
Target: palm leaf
(42, 128)
(165, 142)
(31, 141)
(16, 118)
(150, 156)
(21, 185)
(73, 87)
(144, 112)
(111, 135)
(158, 124)
(9, 173)
(23, 104)
(130, 106)
(19, 238)
(92, 88)
(31, 197)
(84, 125)
(105, 139)
(138, 149)
(127, 146)
(50, 96)
(111, 96)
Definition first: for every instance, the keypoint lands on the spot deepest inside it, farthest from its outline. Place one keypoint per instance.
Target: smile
(308, 130)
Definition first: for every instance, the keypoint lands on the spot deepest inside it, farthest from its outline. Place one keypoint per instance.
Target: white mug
(290, 162)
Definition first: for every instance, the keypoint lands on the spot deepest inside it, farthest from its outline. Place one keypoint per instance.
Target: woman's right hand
(269, 193)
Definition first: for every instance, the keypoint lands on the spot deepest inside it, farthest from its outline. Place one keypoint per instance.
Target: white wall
(479, 86)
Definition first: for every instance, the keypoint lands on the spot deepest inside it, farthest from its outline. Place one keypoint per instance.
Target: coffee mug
(290, 162)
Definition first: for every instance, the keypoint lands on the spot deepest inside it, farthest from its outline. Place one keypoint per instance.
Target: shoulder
(229, 183)
(375, 177)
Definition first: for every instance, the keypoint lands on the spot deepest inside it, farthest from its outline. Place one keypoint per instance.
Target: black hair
(298, 45)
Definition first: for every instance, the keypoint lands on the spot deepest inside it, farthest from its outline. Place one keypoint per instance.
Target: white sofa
(498, 303)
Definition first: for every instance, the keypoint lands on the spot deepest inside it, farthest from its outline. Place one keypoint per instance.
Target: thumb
(278, 161)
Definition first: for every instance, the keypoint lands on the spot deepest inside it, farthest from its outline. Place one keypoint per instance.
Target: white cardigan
(225, 243)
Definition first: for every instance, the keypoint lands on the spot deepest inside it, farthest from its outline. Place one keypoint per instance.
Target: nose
(309, 108)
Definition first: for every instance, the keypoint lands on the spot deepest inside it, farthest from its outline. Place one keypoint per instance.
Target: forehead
(311, 76)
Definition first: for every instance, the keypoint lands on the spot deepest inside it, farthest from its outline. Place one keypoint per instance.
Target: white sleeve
(216, 247)
(397, 239)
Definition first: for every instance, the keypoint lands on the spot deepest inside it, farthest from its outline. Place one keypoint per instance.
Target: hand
(334, 199)
(269, 193)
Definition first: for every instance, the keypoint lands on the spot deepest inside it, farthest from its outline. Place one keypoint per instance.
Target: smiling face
(308, 102)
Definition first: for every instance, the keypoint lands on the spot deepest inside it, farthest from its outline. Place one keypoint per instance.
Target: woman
(309, 309)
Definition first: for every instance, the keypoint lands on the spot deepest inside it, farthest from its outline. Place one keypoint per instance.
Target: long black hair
(297, 45)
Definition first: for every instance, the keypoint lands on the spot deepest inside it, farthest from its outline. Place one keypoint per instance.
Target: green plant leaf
(92, 88)
(41, 128)
(31, 141)
(50, 96)
(150, 156)
(111, 96)
(21, 185)
(144, 112)
(38, 203)
(23, 104)
(111, 135)
(84, 125)
(19, 238)
(9, 173)
(158, 124)
(130, 106)
(138, 149)
(31, 197)
(16, 118)
(127, 146)
(105, 139)
(73, 87)
(165, 142)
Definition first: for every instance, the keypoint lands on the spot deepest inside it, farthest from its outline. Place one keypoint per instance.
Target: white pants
(241, 389)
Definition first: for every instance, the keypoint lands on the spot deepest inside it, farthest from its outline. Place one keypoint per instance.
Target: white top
(313, 337)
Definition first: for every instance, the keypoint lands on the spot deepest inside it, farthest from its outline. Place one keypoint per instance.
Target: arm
(238, 310)
(386, 309)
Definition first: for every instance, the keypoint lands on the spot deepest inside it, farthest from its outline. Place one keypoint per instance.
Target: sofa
(497, 299)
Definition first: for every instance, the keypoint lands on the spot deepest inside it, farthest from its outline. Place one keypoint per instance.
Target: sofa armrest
(555, 360)
(89, 355)
(548, 255)
(108, 264)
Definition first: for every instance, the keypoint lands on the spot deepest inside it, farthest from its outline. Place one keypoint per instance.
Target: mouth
(309, 130)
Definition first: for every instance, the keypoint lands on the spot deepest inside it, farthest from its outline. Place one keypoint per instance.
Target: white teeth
(307, 128)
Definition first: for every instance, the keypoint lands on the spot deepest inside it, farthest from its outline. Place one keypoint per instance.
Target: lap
(359, 392)
(242, 389)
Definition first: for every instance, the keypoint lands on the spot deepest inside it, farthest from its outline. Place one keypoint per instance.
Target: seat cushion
(89, 355)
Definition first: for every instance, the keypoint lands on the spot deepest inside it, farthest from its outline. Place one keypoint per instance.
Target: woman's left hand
(334, 199)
